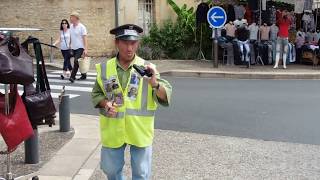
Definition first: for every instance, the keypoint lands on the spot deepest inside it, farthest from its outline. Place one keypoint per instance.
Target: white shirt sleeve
(83, 31)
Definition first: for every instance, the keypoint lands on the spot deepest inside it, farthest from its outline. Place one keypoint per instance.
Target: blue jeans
(66, 62)
(112, 162)
(282, 51)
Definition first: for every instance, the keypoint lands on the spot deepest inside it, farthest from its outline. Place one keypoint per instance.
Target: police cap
(129, 32)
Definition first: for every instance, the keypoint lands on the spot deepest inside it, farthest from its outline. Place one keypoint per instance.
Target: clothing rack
(9, 175)
(201, 54)
(9, 32)
(259, 59)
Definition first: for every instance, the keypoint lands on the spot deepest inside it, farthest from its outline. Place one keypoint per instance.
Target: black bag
(15, 63)
(39, 103)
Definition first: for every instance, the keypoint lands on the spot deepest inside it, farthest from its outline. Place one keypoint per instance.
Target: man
(79, 43)
(127, 118)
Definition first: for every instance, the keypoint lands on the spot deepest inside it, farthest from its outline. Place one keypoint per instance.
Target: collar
(130, 66)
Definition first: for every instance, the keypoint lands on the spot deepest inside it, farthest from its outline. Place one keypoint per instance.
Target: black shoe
(83, 77)
(61, 76)
(71, 80)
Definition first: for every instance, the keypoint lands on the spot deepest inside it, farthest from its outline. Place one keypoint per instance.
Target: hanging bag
(15, 63)
(14, 127)
(39, 103)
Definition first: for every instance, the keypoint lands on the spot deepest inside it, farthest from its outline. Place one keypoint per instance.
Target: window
(146, 14)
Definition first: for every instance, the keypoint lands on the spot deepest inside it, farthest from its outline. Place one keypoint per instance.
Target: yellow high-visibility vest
(134, 123)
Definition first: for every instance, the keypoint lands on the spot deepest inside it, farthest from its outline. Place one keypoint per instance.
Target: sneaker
(71, 80)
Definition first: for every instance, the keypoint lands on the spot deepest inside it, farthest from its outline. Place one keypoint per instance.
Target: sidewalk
(191, 68)
(180, 156)
(78, 158)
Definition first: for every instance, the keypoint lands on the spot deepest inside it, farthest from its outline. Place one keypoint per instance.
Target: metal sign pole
(216, 17)
(215, 49)
(9, 175)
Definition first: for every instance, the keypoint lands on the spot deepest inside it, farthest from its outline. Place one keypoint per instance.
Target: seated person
(242, 35)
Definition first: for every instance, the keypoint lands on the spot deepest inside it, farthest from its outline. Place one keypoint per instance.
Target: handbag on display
(38, 101)
(15, 63)
(15, 127)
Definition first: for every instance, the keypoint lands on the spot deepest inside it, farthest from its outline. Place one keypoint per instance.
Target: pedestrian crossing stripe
(58, 76)
(67, 88)
(88, 73)
(57, 85)
(72, 88)
(53, 95)
(68, 82)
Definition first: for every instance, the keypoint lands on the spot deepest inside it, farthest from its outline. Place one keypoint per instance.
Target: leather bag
(15, 63)
(39, 103)
(14, 127)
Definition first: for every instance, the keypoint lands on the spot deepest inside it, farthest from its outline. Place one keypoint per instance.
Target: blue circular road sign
(216, 17)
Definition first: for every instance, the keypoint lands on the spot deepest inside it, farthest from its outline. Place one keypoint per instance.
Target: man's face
(73, 19)
(127, 49)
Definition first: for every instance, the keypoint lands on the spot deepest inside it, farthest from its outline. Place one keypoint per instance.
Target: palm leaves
(186, 17)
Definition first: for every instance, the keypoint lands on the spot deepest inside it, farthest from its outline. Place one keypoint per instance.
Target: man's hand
(153, 79)
(111, 109)
(85, 53)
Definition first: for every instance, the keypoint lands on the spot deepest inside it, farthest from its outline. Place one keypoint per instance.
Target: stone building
(98, 15)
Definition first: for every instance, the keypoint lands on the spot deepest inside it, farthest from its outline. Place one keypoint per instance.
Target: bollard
(51, 51)
(31, 147)
(64, 113)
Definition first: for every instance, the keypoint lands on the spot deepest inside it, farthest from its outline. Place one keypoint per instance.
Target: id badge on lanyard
(133, 86)
(113, 91)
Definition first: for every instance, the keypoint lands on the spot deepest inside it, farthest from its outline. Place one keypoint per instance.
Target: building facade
(97, 15)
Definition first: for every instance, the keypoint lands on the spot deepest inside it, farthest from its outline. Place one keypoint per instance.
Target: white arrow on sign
(214, 17)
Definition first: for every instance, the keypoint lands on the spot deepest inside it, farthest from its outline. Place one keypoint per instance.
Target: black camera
(142, 70)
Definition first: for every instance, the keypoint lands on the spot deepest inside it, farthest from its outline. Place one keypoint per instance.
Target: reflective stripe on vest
(102, 111)
(143, 111)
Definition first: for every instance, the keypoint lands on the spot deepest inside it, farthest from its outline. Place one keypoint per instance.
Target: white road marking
(89, 73)
(72, 88)
(53, 95)
(58, 76)
(68, 82)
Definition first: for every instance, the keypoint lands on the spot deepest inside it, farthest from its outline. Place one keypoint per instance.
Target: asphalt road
(277, 110)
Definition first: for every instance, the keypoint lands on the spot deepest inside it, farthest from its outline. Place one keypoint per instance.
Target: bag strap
(64, 37)
(42, 79)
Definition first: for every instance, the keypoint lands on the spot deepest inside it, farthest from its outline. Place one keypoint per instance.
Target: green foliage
(179, 40)
(186, 17)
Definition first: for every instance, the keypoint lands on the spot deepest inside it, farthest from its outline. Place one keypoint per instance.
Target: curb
(227, 75)
(240, 75)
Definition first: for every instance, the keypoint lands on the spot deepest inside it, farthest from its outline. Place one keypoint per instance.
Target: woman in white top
(64, 39)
